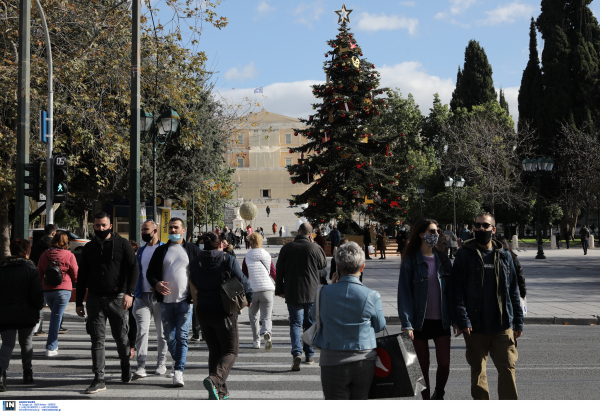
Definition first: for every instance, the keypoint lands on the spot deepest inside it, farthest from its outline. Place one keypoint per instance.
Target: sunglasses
(484, 225)
(432, 231)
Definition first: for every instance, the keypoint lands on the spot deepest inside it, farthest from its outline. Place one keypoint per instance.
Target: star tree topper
(344, 14)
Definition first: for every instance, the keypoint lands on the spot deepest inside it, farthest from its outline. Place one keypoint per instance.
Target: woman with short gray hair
(350, 316)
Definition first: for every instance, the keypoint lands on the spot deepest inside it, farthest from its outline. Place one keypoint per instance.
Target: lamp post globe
(448, 182)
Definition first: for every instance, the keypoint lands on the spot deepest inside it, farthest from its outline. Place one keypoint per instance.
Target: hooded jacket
(68, 266)
(207, 274)
(38, 248)
(21, 294)
(108, 267)
(467, 286)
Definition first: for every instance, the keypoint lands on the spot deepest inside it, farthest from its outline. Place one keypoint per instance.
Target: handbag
(53, 274)
(233, 295)
(397, 370)
(310, 334)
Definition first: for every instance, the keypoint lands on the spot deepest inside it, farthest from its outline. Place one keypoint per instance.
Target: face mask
(403, 230)
(174, 238)
(483, 237)
(147, 237)
(201, 246)
(102, 234)
(430, 239)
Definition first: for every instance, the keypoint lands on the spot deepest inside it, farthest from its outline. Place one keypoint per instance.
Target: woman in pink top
(58, 269)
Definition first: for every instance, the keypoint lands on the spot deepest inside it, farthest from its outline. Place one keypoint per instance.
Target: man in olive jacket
(300, 267)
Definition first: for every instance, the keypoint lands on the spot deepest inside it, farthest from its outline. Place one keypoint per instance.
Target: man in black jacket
(300, 268)
(109, 271)
(36, 251)
(169, 274)
(367, 240)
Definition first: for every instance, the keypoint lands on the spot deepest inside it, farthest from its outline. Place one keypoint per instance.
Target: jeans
(348, 381)
(9, 338)
(298, 319)
(502, 348)
(176, 319)
(262, 301)
(144, 309)
(57, 302)
(100, 308)
(223, 346)
(584, 243)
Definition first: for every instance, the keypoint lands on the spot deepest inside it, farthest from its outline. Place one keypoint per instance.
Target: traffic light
(60, 178)
(33, 180)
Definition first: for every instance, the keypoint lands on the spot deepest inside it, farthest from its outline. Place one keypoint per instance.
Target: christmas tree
(349, 153)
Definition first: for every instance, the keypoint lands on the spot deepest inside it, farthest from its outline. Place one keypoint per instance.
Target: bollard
(591, 243)
(553, 242)
(515, 242)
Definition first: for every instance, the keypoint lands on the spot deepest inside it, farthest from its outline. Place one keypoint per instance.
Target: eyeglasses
(486, 225)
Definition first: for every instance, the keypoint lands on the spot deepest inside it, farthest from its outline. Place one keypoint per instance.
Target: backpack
(53, 275)
(233, 295)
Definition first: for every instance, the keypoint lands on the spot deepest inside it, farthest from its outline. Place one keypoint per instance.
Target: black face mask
(102, 234)
(483, 237)
(147, 237)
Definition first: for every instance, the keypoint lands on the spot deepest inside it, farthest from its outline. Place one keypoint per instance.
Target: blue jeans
(57, 302)
(584, 243)
(299, 318)
(176, 319)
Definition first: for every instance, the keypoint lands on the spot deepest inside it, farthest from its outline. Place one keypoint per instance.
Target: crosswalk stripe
(192, 353)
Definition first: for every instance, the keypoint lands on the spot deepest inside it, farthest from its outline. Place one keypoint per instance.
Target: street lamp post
(421, 192)
(158, 132)
(212, 205)
(538, 166)
(449, 182)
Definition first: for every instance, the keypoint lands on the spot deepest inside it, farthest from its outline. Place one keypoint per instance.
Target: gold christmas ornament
(343, 14)
(355, 62)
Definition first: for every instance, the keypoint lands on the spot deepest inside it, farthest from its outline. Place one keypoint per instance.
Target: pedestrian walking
(21, 299)
(335, 237)
(227, 248)
(567, 237)
(451, 245)
(557, 236)
(220, 330)
(319, 239)
(109, 272)
(424, 302)
(464, 234)
(281, 231)
(301, 265)
(57, 269)
(487, 310)
(132, 333)
(169, 273)
(367, 240)
(350, 315)
(585, 237)
(274, 227)
(146, 307)
(268, 211)
(401, 239)
(381, 242)
(37, 249)
(260, 271)
(518, 268)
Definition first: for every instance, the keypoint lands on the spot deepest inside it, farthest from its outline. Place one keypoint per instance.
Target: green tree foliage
(474, 86)
(530, 92)
(432, 134)
(357, 162)
(503, 102)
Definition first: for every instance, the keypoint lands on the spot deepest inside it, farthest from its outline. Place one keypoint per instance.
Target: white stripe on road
(41, 377)
(258, 353)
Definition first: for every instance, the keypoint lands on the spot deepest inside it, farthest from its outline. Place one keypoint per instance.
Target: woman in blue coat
(424, 301)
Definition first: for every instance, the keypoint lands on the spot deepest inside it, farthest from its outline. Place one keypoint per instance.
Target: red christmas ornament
(290, 203)
(340, 87)
(322, 220)
(323, 171)
(350, 36)
(318, 152)
(371, 184)
(310, 118)
(343, 115)
(381, 92)
(326, 55)
(291, 151)
(398, 198)
(371, 208)
(387, 105)
(412, 167)
(373, 66)
(384, 200)
(295, 133)
(355, 192)
(308, 134)
(339, 203)
(314, 204)
(392, 182)
(358, 70)
(339, 148)
(293, 182)
(361, 54)
(290, 173)
(372, 74)
(369, 88)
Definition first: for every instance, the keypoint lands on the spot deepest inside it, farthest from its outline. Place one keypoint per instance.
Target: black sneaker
(195, 338)
(27, 376)
(97, 385)
(40, 333)
(2, 380)
(309, 360)
(126, 375)
(62, 330)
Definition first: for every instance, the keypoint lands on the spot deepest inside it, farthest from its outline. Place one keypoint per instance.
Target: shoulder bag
(233, 295)
(310, 334)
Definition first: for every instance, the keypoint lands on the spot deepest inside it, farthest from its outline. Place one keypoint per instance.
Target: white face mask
(201, 246)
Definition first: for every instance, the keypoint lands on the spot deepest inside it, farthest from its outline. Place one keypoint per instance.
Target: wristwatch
(131, 294)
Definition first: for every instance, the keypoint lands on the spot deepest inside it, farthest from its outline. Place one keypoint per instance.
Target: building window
(240, 137)
(288, 138)
(288, 161)
(240, 163)
(265, 193)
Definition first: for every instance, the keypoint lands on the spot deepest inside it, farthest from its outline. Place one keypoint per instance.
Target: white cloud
(248, 72)
(373, 22)
(295, 99)
(264, 7)
(508, 13)
(457, 7)
(408, 3)
(308, 13)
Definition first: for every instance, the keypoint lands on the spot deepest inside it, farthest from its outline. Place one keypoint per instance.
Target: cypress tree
(503, 102)
(475, 86)
(530, 93)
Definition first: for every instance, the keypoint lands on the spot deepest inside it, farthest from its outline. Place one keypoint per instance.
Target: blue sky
(416, 45)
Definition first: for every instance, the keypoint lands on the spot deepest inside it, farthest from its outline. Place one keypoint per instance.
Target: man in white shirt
(146, 306)
(169, 273)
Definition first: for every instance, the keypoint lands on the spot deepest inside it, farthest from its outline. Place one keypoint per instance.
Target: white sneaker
(268, 342)
(172, 373)
(51, 352)
(161, 369)
(178, 379)
(256, 344)
(140, 373)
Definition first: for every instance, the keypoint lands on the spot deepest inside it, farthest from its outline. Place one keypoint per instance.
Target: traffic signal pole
(21, 226)
(50, 137)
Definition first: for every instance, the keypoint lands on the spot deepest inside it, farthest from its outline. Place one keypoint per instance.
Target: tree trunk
(4, 230)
